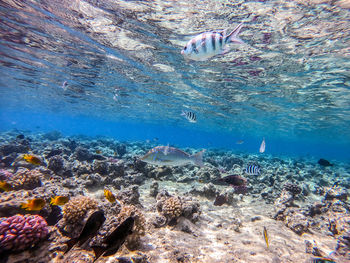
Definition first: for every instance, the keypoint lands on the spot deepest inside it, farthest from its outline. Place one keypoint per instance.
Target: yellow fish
(5, 186)
(266, 237)
(59, 200)
(32, 159)
(98, 151)
(109, 196)
(33, 204)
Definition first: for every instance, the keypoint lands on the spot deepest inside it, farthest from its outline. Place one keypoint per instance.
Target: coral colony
(159, 211)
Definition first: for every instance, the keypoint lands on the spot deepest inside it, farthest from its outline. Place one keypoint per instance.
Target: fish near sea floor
(170, 156)
(324, 162)
(32, 159)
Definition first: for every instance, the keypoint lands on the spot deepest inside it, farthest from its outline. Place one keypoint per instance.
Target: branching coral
(20, 232)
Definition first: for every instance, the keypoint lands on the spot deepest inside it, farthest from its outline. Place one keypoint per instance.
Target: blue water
(127, 79)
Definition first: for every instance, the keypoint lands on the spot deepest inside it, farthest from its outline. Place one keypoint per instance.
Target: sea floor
(305, 213)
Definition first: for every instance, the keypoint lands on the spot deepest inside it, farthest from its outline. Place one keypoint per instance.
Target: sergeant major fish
(253, 169)
(210, 44)
(165, 155)
(189, 115)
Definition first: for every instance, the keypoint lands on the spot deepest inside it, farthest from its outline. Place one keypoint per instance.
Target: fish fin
(98, 251)
(198, 158)
(183, 113)
(233, 36)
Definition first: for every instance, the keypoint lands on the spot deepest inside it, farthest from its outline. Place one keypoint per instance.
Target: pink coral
(21, 231)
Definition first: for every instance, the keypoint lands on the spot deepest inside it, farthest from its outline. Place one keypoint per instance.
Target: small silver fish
(64, 85)
(262, 146)
(165, 155)
(210, 44)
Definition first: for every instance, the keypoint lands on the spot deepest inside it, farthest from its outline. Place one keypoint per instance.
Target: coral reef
(172, 207)
(26, 179)
(5, 175)
(77, 207)
(292, 188)
(55, 163)
(21, 232)
(303, 197)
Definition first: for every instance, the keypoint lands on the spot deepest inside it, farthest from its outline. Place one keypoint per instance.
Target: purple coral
(21, 231)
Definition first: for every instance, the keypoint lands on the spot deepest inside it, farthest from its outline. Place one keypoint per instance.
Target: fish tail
(233, 36)
(198, 158)
(183, 113)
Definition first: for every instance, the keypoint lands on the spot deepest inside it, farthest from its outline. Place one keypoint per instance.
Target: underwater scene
(140, 131)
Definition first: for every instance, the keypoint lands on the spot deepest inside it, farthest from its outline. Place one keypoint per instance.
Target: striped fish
(253, 169)
(189, 115)
(210, 44)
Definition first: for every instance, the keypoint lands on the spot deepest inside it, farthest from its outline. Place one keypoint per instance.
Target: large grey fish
(210, 44)
(165, 155)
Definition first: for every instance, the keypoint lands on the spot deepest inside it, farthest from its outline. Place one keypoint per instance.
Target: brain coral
(26, 179)
(20, 232)
(77, 207)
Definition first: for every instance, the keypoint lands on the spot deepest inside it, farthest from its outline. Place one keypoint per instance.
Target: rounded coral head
(20, 232)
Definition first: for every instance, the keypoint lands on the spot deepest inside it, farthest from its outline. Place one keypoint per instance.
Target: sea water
(114, 69)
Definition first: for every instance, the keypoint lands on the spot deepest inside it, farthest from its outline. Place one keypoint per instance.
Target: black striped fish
(253, 169)
(209, 44)
(189, 115)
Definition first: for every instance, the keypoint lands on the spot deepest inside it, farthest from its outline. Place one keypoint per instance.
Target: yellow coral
(172, 207)
(26, 179)
(77, 207)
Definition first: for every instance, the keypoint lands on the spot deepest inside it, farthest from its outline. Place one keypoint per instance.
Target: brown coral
(77, 207)
(26, 179)
(172, 207)
(139, 230)
(140, 221)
